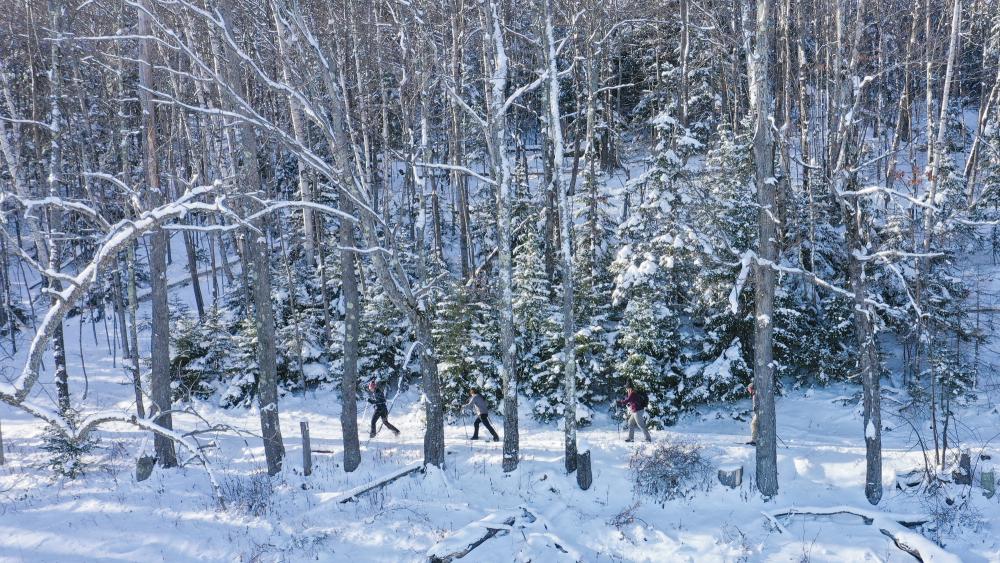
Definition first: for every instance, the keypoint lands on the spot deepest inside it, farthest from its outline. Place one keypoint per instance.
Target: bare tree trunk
(192, 264)
(502, 167)
(256, 256)
(352, 324)
(128, 347)
(159, 385)
(298, 130)
(844, 176)
(762, 104)
(133, 330)
(870, 373)
(55, 215)
(685, 49)
(565, 225)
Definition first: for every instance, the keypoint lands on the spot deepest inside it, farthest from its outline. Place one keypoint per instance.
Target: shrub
(67, 455)
(248, 494)
(668, 471)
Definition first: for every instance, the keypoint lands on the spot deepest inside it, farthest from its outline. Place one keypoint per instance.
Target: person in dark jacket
(377, 399)
(637, 413)
(482, 408)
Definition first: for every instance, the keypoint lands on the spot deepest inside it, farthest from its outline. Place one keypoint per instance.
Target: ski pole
(782, 441)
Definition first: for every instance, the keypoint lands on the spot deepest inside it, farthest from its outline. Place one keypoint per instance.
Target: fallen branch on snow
(535, 530)
(889, 524)
(378, 483)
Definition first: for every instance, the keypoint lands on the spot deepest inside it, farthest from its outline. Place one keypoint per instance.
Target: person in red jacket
(636, 402)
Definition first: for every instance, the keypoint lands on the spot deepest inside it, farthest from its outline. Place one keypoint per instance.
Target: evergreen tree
(466, 332)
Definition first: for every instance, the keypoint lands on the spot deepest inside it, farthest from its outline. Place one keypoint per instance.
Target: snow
(173, 516)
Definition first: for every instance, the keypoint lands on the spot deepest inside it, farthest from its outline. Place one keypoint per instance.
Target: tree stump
(144, 467)
(731, 477)
(584, 474)
(963, 476)
(987, 479)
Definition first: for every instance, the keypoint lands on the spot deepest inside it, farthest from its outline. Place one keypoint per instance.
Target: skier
(637, 402)
(377, 399)
(753, 419)
(482, 414)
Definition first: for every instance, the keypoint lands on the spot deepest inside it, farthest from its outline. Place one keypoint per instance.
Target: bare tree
(159, 383)
(762, 107)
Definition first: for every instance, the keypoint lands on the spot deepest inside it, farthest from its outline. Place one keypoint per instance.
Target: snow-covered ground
(108, 516)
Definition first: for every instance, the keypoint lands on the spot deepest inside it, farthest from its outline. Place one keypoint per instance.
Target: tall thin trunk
(844, 179)
(352, 324)
(502, 167)
(129, 353)
(936, 154)
(298, 130)
(256, 257)
(55, 215)
(133, 329)
(159, 385)
(762, 106)
(192, 264)
(565, 224)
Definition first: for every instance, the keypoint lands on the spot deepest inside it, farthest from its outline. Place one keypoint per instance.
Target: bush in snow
(249, 494)
(240, 384)
(384, 339)
(201, 354)
(668, 471)
(649, 345)
(66, 455)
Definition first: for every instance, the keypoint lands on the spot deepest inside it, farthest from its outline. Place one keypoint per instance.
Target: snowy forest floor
(107, 516)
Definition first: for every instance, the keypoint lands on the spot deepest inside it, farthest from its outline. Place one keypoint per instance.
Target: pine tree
(545, 380)
(649, 342)
(240, 384)
(202, 351)
(465, 334)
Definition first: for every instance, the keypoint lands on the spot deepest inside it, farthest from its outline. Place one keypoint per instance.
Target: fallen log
(889, 524)
(352, 494)
(537, 540)
(471, 536)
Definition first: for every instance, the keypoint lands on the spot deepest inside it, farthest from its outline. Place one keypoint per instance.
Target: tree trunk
(55, 215)
(434, 434)
(128, 352)
(299, 132)
(870, 372)
(352, 324)
(565, 225)
(192, 263)
(159, 386)
(257, 251)
(762, 104)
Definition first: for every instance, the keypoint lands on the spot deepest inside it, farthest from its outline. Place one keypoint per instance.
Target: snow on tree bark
(565, 226)
(159, 383)
(762, 106)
